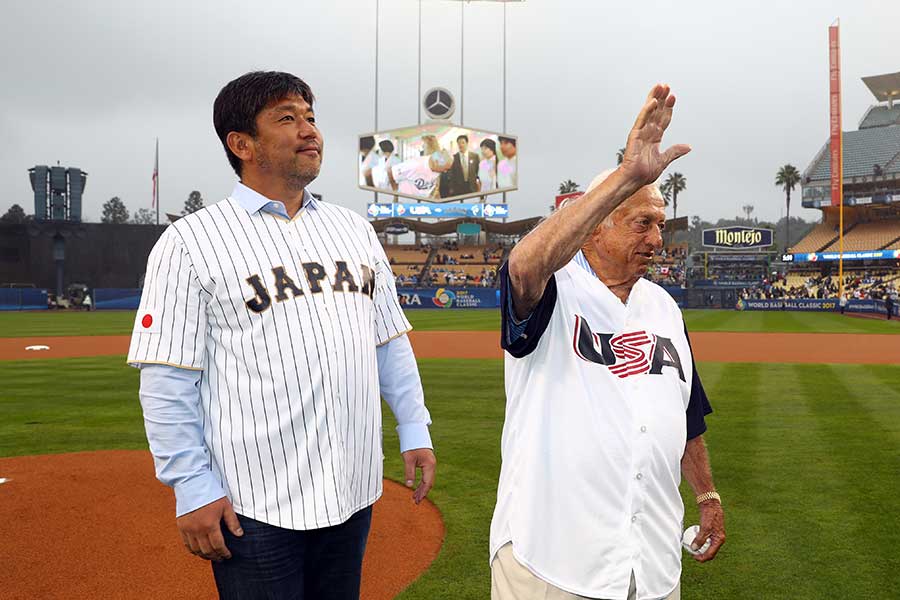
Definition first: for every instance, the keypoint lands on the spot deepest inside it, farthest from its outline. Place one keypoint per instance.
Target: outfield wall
(23, 299)
(410, 298)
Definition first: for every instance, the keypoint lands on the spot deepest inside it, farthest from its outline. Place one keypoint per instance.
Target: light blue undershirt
(516, 328)
(170, 398)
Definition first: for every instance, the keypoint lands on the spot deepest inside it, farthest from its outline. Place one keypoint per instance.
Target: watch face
(439, 103)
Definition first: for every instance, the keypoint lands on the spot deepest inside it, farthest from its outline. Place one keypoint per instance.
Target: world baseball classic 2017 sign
(737, 237)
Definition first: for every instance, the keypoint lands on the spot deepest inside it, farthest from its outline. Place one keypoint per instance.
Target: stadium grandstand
(871, 197)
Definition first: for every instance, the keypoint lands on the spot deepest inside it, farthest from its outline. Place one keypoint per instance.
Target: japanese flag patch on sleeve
(147, 321)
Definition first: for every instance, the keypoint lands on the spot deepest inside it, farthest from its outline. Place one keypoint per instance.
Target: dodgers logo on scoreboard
(737, 237)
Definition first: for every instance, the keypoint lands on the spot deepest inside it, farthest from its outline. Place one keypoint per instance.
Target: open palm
(643, 160)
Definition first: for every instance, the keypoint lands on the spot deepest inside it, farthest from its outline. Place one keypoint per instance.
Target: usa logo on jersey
(626, 354)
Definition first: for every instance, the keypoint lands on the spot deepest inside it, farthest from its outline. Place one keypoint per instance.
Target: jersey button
(633, 518)
(639, 476)
(643, 429)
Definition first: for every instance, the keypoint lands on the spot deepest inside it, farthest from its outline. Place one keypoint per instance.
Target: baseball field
(804, 445)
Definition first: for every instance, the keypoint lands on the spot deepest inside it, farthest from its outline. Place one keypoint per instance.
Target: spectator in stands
(889, 305)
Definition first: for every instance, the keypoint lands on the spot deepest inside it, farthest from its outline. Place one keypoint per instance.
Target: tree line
(114, 212)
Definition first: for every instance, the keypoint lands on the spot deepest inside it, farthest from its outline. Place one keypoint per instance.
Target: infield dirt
(707, 346)
(99, 525)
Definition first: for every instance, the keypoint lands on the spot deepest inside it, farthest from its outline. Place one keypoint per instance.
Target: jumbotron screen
(438, 162)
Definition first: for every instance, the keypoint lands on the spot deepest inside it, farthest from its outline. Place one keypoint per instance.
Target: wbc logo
(626, 354)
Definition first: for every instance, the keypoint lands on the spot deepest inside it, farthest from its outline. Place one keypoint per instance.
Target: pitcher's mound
(99, 525)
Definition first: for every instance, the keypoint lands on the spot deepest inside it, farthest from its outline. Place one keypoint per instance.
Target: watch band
(713, 495)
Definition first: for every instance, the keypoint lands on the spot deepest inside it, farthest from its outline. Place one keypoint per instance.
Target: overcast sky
(92, 84)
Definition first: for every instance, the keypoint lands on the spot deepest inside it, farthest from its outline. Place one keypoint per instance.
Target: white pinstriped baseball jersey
(600, 399)
(283, 317)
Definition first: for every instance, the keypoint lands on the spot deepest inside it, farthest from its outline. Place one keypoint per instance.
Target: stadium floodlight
(885, 88)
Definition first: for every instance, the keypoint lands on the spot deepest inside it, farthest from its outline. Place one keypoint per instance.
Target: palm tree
(568, 186)
(748, 210)
(787, 178)
(620, 156)
(666, 190)
(676, 182)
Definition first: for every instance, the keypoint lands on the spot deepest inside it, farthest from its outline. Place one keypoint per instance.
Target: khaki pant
(510, 580)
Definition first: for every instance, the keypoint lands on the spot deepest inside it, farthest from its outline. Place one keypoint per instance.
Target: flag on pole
(156, 177)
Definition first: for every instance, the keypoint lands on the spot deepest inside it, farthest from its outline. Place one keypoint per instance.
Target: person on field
(268, 330)
(605, 409)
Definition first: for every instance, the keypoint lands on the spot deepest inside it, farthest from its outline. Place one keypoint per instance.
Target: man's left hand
(424, 459)
(712, 527)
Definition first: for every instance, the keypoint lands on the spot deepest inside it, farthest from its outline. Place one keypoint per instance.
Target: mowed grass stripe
(732, 438)
(467, 404)
(55, 323)
(884, 407)
(68, 405)
(805, 457)
(784, 322)
(859, 451)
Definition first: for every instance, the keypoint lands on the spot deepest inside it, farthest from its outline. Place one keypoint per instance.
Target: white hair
(596, 181)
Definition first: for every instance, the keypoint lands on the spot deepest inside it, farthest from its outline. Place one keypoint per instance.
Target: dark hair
(366, 143)
(386, 146)
(504, 139)
(242, 99)
(489, 143)
(462, 136)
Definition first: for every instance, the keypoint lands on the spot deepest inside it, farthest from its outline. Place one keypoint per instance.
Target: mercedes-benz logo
(439, 103)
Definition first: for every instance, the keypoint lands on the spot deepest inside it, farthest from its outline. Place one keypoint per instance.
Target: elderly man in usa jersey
(605, 410)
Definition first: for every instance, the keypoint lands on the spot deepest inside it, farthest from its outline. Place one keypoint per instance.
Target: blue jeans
(272, 563)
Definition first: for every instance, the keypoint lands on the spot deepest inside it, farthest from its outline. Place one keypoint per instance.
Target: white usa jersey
(282, 317)
(415, 176)
(599, 408)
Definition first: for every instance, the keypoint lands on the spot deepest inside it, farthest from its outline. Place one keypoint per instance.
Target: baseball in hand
(689, 534)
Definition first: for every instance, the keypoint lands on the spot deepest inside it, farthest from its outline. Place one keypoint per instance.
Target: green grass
(52, 323)
(807, 458)
(66, 405)
(785, 322)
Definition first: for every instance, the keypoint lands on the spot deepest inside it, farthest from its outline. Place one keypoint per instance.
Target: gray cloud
(92, 84)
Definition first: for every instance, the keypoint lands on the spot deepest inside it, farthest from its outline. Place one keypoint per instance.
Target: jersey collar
(252, 201)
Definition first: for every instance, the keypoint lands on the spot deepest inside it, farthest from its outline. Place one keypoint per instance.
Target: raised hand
(643, 162)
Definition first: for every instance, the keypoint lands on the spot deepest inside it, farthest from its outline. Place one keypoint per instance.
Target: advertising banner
(831, 256)
(736, 258)
(834, 93)
(737, 237)
(816, 304)
(563, 197)
(458, 210)
(446, 297)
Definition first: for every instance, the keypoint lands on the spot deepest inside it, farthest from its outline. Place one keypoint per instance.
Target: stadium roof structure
(863, 150)
(880, 116)
(885, 88)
